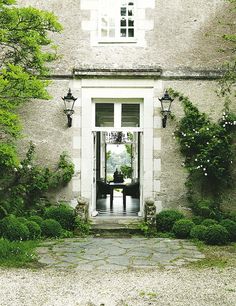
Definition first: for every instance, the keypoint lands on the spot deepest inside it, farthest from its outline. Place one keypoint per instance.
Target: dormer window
(117, 21)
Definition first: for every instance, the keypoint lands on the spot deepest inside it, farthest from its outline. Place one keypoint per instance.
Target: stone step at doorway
(114, 226)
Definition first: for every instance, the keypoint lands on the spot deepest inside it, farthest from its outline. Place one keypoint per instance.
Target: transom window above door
(118, 115)
(117, 21)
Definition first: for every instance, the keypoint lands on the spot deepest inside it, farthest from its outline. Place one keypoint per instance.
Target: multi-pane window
(117, 19)
(117, 115)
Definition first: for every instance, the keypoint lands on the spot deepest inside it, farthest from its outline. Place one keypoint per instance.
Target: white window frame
(117, 38)
(118, 113)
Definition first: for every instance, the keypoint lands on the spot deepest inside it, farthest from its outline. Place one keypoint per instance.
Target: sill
(118, 41)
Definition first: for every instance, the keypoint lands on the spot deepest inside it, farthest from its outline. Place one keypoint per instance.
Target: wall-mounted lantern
(69, 102)
(166, 101)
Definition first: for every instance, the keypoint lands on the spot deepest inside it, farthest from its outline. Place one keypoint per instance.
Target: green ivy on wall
(208, 148)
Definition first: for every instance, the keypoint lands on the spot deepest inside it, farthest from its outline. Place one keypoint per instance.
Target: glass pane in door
(130, 116)
(104, 115)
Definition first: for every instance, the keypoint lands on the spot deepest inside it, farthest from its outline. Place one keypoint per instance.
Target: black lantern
(166, 101)
(69, 102)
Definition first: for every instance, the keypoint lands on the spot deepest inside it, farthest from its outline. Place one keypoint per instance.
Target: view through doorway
(117, 164)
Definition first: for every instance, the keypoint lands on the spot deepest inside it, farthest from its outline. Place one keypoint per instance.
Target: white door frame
(115, 89)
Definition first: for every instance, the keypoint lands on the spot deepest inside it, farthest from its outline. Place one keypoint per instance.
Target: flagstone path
(117, 254)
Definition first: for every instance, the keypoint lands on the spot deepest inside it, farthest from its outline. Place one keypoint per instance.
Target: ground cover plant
(220, 256)
(18, 253)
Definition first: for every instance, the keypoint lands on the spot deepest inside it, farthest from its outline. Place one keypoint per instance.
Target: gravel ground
(177, 286)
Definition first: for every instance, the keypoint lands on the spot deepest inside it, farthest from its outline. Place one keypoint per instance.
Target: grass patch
(18, 254)
(216, 256)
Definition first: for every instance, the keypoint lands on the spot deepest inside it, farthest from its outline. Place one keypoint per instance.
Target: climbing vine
(208, 147)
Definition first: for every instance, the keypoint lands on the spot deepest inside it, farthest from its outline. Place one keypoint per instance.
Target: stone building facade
(128, 52)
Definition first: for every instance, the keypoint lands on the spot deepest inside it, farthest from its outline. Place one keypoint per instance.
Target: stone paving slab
(117, 254)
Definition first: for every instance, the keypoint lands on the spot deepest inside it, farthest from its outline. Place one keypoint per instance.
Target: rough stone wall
(46, 126)
(185, 33)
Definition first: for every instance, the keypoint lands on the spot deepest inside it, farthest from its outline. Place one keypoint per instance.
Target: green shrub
(34, 230)
(166, 219)
(67, 234)
(3, 212)
(12, 229)
(232, 216)
(231, 228)
(81, 227)
(182, 228)
(198, 232)
(197, 220)
(22, 219)
(36, 219)
(51, 228)
(63, 214)
(209, 222)
(216, 234)
(204, 208)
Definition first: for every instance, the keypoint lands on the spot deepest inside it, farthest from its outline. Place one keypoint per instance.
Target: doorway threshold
(116, 223)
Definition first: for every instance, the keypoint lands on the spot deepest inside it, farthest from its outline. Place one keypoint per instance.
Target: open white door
(141, 173)
(94, 186)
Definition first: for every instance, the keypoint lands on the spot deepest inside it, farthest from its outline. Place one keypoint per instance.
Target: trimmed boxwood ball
(216, 235)
(22, 219)
(36, 219)
(182, 228)
(34, 230)
(166, 219)
(63, 214)
(12, 229)
(209, 222)
(197, 219)
(232, 216)
(198, 232)
(231, 228)
(51, 228)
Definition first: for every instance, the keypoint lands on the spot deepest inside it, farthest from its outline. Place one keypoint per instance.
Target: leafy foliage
(216, 235)
(231, 228)
(166, 219)
(34, 230)
(205, 208)
(12, 229)
(182, 228)
(82, 228)
(51, 228)
(24, 31)
(228, 82)
(36, 219)
(208, 222)
(63, 214)
(25, 51)
(23, 186)
(198, 232)
(207, 146)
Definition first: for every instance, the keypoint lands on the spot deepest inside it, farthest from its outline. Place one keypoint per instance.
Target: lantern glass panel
(69, 104)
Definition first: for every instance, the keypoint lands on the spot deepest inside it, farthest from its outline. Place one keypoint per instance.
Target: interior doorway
(117, 173)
